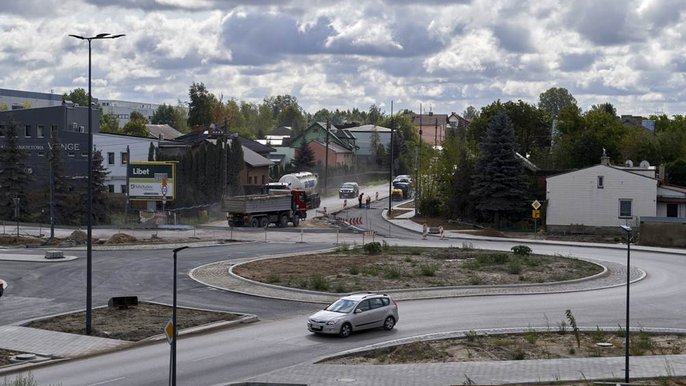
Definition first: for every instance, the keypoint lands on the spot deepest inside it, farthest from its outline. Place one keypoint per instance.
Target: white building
(114, 149)
(123, 109)
(600, 196)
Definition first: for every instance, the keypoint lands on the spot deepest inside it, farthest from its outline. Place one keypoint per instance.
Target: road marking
(108, 381)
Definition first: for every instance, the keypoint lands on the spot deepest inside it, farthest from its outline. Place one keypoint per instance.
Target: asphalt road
(245, 352)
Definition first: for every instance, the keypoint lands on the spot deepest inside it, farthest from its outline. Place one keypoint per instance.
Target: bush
(521, 250)
(428, 269)
(514, 267)
(318, 282)
(391, 272)
(354, 270)
(493, 259)
(373, 248)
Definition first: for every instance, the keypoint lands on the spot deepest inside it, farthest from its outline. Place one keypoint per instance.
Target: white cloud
(349, 54)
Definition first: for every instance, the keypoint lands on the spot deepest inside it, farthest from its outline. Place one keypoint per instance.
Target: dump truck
(260, 210)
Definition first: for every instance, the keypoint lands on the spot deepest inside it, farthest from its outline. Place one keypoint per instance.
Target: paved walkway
(55, 344)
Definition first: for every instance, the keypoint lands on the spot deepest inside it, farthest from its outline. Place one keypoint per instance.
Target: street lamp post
(173, 342)
(89, 220)
(627, 229)
(16, 211)
(390, 172)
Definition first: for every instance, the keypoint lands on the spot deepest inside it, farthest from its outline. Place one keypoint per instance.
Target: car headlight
(331, 322)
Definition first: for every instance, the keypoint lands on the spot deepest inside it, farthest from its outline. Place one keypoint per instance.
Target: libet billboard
(151, 181)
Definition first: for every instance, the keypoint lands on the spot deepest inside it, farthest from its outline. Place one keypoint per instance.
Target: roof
(333, 147)
(255, 146)
(369, 128)
(603, 166)
(429, 119)
(253, 159)
(163, 131)
(282, 130)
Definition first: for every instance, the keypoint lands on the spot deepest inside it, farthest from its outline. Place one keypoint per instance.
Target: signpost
(536, 213)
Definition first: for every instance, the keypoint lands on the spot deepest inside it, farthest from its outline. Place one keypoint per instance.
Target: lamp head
(626, 228)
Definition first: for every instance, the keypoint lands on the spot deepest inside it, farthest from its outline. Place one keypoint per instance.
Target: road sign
(535, 214)
(169, 331)
(535, 204)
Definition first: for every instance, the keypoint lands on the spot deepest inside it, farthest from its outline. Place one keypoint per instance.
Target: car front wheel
(389, 323)
(346, 330)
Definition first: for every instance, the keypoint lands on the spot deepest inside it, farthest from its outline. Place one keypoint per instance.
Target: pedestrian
(425, 231)
(369, 200)
(376, 196)
(359, 199)
(440, 230)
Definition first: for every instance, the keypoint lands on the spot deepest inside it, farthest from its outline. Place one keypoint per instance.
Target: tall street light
(627, 229)
(172, 380)
(89, 221)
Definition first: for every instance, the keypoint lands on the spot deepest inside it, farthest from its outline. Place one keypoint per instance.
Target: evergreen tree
(200, 108)
(100, 189)
(151, 152)
(13, 175)
(62, 185)
(499, 189)
(304, 160)
(234, 166)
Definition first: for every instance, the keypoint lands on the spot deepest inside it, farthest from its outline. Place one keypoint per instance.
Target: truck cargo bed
(257, 203)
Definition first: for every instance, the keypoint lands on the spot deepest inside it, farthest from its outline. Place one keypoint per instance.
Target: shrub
(471, 335)
(391, 272)
(428, 269)
(343, 247)
(373, 248)
(273, 278)
(371, 270)
(521, 250)
(354, 270)
(475, 279)
(318, 282)
(531, 336)
(493, 259)
(518, 354)
(340, 288)
(514, 267)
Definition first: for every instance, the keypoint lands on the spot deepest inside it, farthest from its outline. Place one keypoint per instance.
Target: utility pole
(390, 172)
(326, 156)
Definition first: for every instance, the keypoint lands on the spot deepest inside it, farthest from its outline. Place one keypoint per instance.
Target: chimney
(604, 159)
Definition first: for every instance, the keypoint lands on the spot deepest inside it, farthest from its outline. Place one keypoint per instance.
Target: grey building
(34, 128)
(14, 99)
(123, 109)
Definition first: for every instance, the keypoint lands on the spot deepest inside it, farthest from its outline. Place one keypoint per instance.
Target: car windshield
(341, 305)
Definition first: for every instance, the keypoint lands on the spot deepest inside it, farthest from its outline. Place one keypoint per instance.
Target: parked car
(349, 190)
(353, 313)
(405, 187)
(403, 178)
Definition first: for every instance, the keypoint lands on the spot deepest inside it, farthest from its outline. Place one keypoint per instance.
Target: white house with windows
(114, 149)
(600, 196)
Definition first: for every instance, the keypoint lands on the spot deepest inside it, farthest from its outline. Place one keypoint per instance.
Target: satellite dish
(629, 163)
(645, 164)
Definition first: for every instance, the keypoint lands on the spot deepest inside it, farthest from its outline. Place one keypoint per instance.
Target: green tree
(13, 174)
(264, 122)
(292, 116)
(304, 158)
(676, 172)
(200, 107)
(375, 115)
(109, 123)
(65, 201)
(181, 118)
(235, 164)
(499, 189)
(164, 115)
(136, 128)
(471, 113)
(98, 182)
(78, 96)
(554, 99)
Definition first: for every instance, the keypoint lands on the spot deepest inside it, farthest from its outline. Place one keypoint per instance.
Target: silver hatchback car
(355, 312)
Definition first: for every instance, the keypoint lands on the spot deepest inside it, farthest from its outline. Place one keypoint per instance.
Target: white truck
(301, 181)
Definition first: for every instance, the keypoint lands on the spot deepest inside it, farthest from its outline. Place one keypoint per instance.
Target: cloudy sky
(445, 55)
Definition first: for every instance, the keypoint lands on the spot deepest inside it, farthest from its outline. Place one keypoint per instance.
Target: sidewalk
(61, 345)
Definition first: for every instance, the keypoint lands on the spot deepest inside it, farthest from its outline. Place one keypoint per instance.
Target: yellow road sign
(169, 331)
(535, 214)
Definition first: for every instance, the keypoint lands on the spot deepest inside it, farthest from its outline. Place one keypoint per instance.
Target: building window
(600, 182)
(40, 131)
(27, 131)
(124, 158)
(41, 154)
(84, 155)
(110, 158)
(110, 188)
(71, 154)
(123, 188)
(624, 208)
(672, 210)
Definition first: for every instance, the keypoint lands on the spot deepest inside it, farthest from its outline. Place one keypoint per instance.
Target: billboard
(151, 181)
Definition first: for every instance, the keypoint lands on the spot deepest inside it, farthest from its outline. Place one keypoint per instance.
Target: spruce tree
(304, 160)
(499, 189)
(234, 166)
(13, 175)
(100, 211)
(64, 212)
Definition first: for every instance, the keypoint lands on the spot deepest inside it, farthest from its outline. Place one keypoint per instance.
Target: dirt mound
(6, 239)
(121, 238)
(78, 236)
